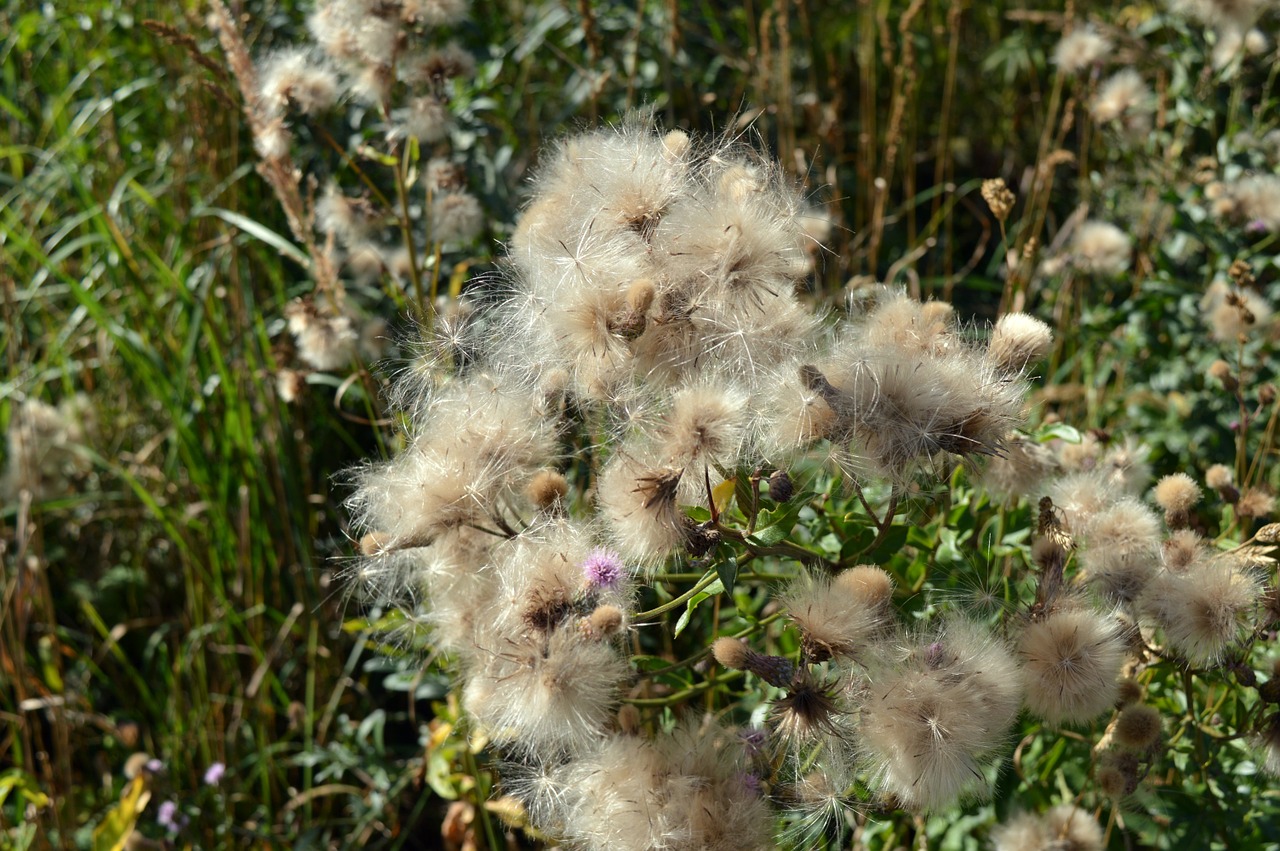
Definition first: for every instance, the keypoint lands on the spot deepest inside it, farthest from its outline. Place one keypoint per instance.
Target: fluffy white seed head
(1063, 828)
(294, 80)
(1018, 342)
(1071, 662)
(1204, 610)
(456, 217)
(638, 504)
(1124, 101)
(1101, 248)
(1080, 49)
(930, 720)
(836, 619)
(1122, 549)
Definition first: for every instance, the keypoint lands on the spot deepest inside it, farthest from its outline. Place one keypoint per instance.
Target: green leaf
(1058, 431)
(777, 524)
(710, 591)
(727, 570)
(25, 784)
(260, 232)
(438, 777)
(117, 826)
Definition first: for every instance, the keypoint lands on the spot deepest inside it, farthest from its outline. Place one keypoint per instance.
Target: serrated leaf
(776, 525)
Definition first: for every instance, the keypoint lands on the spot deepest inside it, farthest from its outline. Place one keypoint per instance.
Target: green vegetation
(182, 579)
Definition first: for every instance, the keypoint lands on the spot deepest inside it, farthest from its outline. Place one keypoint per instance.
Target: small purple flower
(169, 818)
(213, 774)
(1256, 226)
(604, 568)
(751, 784)
(154, 766)
(754, 740)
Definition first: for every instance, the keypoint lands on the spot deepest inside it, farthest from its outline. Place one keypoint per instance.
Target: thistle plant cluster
(651, 365)
(1212, 63)
(372, 90)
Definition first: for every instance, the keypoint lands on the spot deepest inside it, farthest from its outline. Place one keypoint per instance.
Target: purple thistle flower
(213, 774)
(603, 568)
(154, 766)
(169, 818)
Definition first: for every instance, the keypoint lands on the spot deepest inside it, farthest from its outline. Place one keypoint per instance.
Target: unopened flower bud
(781, 488)
(547, 490)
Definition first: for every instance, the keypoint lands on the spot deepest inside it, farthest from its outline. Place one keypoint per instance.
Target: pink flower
(604, 568)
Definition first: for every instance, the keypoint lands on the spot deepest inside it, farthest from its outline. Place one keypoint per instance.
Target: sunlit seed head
(1081, 49)
(1018, 342)
(1177, 494)
(1256, 503)
(1071, 662)
(1101, 248)
(456, 217)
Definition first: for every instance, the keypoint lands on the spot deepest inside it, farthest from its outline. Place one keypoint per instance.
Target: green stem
(680, 696)
(702, 585)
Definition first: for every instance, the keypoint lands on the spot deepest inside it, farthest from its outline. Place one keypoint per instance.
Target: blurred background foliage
(178, 597)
